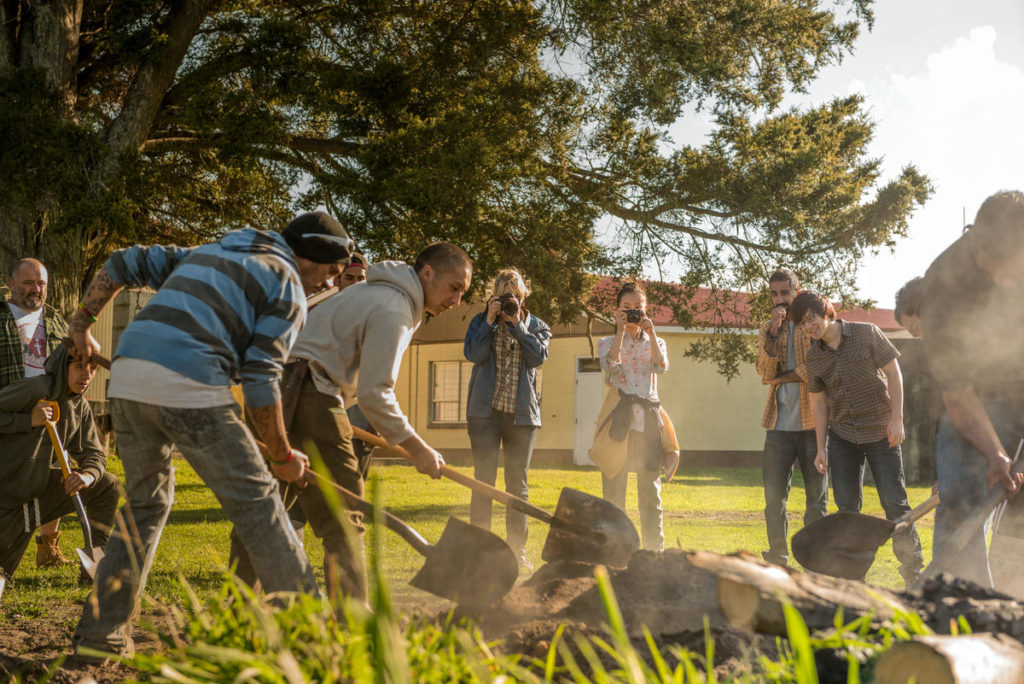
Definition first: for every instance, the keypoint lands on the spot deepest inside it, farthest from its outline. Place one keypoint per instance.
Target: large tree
(511, 127)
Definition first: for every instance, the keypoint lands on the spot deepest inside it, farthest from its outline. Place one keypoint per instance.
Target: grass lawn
(717, 509)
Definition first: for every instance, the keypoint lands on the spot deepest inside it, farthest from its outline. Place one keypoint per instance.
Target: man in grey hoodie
(352, 345)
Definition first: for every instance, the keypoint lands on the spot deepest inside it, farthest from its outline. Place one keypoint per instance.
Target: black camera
(634, 315)
(509, 304)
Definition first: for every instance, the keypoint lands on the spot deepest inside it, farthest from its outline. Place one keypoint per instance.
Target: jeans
(216, 443)
(962, 485)
(846, 462)
(648, 490)
(485, 437)
(782, 450)
(321, 429)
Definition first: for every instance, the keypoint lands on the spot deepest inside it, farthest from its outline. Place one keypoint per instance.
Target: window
(449, 383)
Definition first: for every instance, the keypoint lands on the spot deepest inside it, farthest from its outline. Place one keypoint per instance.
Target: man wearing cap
(354, 273)
(224, 312)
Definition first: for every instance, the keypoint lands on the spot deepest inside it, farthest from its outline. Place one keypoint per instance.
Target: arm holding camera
(534, 345)
(658, 362)
(478, 346)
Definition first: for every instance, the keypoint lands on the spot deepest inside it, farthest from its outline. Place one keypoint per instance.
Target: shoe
(775, 559)
(48, 553)
(524, 562)
(105, 654)
(669, 464)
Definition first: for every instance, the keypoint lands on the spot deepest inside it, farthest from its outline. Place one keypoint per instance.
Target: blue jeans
(216, 443)
(962, 485)
(846, 462)
(782, 450)
(486, 436)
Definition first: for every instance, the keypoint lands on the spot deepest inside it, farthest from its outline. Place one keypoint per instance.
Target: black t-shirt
(973, 330)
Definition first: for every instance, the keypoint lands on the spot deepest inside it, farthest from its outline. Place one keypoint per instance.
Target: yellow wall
(709, 414)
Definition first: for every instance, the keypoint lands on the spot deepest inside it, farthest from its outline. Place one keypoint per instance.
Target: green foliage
(510, 127)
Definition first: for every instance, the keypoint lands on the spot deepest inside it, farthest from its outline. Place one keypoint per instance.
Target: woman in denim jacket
(506, 344)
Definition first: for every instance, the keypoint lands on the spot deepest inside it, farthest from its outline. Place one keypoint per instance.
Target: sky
(944, 82)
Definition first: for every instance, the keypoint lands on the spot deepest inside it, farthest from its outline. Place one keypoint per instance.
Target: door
(589, 396)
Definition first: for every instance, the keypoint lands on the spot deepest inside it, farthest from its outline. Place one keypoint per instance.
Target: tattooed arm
(100, 291)
(269, 423)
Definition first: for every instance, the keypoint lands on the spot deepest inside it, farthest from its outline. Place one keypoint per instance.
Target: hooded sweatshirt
(354, 342)
(225, 312)
(28, 455)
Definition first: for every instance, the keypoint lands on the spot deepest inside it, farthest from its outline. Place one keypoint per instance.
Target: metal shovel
(469, 565)
(583, 528)
(843, 544)
(90, 555)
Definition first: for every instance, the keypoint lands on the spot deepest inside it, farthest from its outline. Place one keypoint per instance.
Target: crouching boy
(32, 489)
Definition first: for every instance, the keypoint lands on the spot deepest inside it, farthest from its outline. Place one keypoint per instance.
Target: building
(717, 422)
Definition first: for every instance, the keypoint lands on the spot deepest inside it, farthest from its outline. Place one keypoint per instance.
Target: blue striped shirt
(224, 312)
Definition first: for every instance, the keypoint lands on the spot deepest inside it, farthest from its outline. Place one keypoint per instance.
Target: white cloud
(959, 121)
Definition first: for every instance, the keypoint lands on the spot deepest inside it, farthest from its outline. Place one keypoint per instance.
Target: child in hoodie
(32, 489)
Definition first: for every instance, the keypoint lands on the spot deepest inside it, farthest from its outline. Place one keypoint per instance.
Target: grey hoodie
(28, 455)
(354, 342)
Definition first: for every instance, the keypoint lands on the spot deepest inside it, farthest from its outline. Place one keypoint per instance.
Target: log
(971, 659)
(751, 594)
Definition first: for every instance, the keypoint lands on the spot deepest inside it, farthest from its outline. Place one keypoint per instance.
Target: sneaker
(775, 559)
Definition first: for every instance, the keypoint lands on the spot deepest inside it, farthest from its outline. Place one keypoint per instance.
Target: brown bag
(608, 454)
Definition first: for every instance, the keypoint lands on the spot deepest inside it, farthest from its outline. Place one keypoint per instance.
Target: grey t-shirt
(788, 395)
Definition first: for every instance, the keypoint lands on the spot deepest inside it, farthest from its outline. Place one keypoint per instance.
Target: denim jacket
(532, 335)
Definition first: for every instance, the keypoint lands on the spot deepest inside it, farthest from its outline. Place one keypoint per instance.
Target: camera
(634, 315)
(509, 304)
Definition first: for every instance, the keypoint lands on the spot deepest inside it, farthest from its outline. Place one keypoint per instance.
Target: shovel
(90, 555)
(843, 544)
(583, 528)
(468, 565)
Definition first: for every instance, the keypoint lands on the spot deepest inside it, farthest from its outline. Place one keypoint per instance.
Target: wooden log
(751, 594)
(970, 659)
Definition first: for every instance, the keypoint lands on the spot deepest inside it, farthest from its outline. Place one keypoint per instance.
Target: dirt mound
(663, 592)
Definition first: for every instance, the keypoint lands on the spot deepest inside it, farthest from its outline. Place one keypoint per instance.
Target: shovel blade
(90, 560)
(613, 544)
(842, 544)
(468, 565)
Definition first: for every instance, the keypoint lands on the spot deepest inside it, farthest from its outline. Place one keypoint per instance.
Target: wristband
(291, 455)
(81, 307)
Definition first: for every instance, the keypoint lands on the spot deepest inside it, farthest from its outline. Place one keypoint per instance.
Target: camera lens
(509, 306)
(634, 315)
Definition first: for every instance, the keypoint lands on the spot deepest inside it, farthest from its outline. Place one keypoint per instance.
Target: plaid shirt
(508, 357)
(772, 366)
(855, 387)
(12, 359)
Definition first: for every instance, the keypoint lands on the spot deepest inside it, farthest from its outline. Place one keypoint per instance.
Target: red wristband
(291, 455)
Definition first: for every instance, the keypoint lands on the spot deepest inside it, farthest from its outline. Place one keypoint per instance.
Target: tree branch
(181, 143)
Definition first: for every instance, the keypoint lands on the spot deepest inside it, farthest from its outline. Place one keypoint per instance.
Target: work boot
(48, 553)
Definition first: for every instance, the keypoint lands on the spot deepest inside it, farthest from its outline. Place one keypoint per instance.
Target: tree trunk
(970, 659)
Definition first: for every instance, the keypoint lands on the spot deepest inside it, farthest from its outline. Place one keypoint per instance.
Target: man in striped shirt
(224, 312)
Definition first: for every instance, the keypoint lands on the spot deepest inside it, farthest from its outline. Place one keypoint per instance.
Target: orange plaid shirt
(771, 366)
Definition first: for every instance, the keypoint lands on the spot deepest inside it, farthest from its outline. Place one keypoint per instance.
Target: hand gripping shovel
(90, 555)
(969, 527)
(843, 544)
(583, 528)
(468, 565)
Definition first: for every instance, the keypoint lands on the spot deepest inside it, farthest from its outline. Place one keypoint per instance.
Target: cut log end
(970, 659)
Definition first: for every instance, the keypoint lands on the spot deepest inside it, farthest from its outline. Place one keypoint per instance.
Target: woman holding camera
(631, 360)
(506, 344)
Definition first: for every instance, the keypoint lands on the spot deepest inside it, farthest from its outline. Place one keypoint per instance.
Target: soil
(661, 592)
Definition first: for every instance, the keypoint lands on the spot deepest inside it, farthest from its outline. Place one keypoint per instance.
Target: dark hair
(443, 257)
(628, 287)
(908, 298)
(999, 226)
(787, 275)
(810, 301)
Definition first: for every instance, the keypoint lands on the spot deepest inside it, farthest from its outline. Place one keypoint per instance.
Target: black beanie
(318, 237)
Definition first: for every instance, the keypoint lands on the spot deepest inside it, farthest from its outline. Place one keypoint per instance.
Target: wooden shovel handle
(908, 519)
(357, 503)
(465, 480)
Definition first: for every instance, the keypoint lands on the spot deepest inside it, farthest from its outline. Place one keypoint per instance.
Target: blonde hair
(511, 276)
